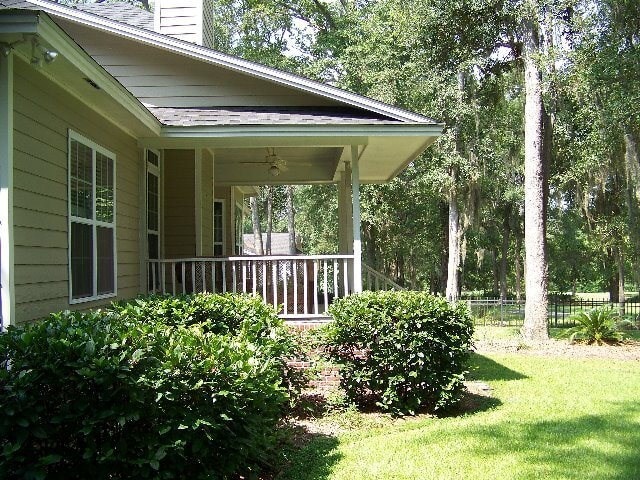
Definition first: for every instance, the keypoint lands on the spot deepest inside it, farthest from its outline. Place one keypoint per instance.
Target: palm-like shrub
(596, 326)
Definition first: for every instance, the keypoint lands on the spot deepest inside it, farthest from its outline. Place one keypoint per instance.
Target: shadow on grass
(589, 446)
(308, 456)
(485, 369)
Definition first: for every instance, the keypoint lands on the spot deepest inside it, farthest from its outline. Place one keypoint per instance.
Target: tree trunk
(632, 166)
(291, 221)
(444, 251)
(535, 324)
(504, 257)
(257, 230)
(620, 258)
(453, 266)
(518, 268)
(269, 219)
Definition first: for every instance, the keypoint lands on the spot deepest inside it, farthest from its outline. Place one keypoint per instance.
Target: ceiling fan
(274, 163)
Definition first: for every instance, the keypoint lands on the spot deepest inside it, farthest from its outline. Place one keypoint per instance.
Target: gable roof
(121, 21)
(279, 244)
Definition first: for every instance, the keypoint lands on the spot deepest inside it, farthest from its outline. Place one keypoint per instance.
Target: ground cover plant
(402, 351)
(158, 388)
(597, 326)
(547, 417)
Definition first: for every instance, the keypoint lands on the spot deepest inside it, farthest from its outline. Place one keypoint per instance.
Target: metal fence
(510, 313)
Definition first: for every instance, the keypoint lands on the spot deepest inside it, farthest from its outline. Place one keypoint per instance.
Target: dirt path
(628, 350)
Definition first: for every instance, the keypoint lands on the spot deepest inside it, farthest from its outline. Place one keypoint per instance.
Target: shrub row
(189, 387)
(403, 351)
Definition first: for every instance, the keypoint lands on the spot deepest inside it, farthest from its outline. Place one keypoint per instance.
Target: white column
(357, 243)
(198, 199)
(7, 283)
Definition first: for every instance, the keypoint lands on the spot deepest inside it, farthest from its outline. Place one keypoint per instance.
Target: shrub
(105, 395)
(222, 314)
(595, 326)
(403, 350)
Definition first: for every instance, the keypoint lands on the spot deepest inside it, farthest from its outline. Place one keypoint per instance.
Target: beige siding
(207, 204)
(164, 79)
(43, 114)
(179, 204)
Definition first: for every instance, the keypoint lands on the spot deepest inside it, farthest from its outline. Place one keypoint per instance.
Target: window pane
(154, 244)
(106, 279)
(217, 250)
(152, 158)
(104, 188)
(153, 202)
(81, 260)
(81, 179)
(217, 223)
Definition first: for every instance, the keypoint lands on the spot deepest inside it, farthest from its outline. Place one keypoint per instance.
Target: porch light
(40, 52)
(274, 170)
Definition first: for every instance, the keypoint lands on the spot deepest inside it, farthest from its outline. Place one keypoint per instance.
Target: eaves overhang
(34, 22)
(227, 61)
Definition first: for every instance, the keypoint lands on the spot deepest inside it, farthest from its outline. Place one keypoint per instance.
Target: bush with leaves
(105, 395)
(405, 351)
(596, 326)
(222, 314)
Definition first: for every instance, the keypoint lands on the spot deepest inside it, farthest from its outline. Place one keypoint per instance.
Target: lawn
(548, 418)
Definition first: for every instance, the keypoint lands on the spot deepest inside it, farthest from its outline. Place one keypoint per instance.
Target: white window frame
(223, 202)
(71, 136)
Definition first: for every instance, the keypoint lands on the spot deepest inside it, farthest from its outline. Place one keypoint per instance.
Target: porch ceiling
(249, 166)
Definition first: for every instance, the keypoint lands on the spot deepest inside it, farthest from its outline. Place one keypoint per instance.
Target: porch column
(357, 244)
(7, 283)
(345, 214)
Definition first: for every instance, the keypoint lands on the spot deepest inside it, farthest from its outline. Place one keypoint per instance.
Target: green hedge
(144, 390)
(404, 351)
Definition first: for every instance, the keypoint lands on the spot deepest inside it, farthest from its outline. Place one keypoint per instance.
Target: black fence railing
(492, 311)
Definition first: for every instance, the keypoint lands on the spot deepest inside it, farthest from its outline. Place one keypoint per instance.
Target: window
(218, 228)
(153, 212)
(92, 221)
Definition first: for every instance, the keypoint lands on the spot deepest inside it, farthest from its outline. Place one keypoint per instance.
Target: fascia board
(401, 130)
(232, 63)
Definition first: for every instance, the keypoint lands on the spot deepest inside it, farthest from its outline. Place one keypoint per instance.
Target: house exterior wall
(207, 203)
(43, 115)
(179, 204)
(163, 79)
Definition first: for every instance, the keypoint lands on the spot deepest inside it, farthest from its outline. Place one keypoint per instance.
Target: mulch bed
(626, 350)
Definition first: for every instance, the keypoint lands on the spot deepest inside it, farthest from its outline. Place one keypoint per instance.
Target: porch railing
(375, 281)
(300, 286)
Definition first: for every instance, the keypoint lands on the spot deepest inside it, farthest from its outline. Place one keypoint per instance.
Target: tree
(255, 222)
(535, 185)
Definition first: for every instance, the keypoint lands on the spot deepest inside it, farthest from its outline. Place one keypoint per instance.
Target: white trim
(7, 258)
(236, 64)
(222, 202)
(96, 148)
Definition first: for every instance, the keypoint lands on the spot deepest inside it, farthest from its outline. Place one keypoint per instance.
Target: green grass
(550, 418)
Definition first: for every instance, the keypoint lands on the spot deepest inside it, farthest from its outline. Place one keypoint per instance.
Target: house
(126, 146)
(279, 244)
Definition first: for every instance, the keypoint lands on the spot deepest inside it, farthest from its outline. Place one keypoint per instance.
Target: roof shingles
(225, 116)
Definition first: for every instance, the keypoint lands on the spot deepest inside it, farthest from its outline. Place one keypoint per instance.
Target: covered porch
(204, 254)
